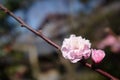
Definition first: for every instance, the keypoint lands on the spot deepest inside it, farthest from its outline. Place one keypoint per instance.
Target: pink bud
(97, 55)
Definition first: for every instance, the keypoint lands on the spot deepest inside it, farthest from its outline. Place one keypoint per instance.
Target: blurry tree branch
(23, 24)
(52, 17)
(100, 15)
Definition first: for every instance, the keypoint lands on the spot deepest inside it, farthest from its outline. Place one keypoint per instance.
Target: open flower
(75, 48)
(97, 55)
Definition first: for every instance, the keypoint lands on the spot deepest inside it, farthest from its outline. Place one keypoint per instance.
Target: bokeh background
(24, 56)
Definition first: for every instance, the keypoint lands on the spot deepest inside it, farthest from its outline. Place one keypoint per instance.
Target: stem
(38, 33)
(23, 24)
(101, 72)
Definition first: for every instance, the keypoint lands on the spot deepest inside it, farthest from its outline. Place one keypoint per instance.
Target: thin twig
(23, 24)
(101, 72)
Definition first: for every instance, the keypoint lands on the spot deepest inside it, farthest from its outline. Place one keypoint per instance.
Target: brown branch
(23, 24)
(101, 72)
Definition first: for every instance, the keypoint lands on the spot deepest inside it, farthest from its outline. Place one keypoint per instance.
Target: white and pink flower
(75, 48)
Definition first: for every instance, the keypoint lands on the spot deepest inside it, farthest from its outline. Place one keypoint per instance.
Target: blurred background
(24, 56)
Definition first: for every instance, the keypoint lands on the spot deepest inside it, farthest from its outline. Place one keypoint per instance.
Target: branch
(101, 72)
(23, 24)
(38, 33)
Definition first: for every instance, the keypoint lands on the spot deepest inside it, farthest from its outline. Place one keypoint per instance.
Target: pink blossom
(75, 48)
(97, 55)
(108, 41)
(112, 41)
